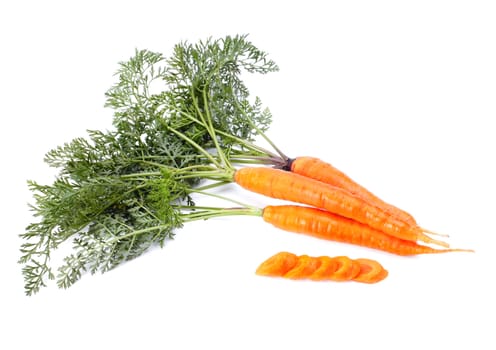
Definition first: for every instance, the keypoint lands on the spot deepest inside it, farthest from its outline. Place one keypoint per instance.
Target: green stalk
(203, 214)
(222, 175)
(278, 159)
(241, 204)
(222, 212)
(260, 132)
(213, 185)
(198, 147)
(211, 130)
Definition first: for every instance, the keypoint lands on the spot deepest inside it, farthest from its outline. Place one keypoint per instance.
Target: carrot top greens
(177, 120)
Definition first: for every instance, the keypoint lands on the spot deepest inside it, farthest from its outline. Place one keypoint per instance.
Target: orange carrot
(322, 268)
(289, 186)
(347, 269)
(370, 271)
(327, 267)
(304, 267)
(322, 224)
(319, 170)
(278, 265)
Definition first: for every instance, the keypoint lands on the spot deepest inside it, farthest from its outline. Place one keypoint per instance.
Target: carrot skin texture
(319, 170)
(289, 186)
(322, 224)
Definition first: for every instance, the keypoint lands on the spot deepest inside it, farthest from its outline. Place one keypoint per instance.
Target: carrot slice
(304, 268)
(327, 267)
(347, 269)
(277, 265)
(370, 271)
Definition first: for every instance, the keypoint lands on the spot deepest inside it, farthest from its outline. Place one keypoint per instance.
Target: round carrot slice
(347, 269)
(304, 268)
(277, 265)
(327, 267)
(370, 271)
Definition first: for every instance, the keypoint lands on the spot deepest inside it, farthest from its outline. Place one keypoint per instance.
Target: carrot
(325, 225)
(304, 267)
(322, 268)
(289, 186)
(370, 271)
(327, 267)
(277, 265)
(319, 170)
(347, 269)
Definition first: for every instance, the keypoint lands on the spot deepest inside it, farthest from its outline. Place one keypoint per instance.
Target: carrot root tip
(454, 250)
(435, 233)
(427, 239)
(463, 250)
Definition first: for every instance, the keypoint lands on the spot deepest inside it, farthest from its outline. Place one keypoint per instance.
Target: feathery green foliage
(119, 192)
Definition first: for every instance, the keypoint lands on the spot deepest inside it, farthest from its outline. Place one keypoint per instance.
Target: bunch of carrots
(131, 184)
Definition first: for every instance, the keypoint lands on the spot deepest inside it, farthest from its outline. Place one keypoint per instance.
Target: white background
(398, 94)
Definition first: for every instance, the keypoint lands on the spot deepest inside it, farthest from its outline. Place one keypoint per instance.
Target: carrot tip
(434, 233)
(427, 239)
(464, 250)
(455, 250)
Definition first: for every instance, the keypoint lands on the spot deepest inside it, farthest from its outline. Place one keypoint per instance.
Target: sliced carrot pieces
(322, 268)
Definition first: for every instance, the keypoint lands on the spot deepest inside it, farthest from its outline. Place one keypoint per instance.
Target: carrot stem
(209, 194)
(261, 133)
(197, 146)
